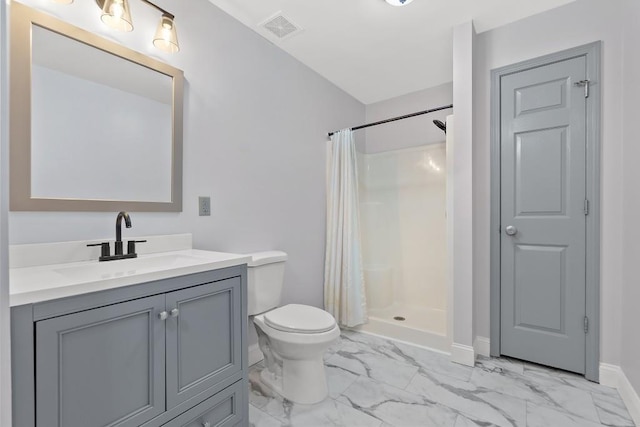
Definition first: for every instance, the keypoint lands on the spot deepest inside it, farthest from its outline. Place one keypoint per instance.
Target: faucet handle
(131, 246)
(105, 249)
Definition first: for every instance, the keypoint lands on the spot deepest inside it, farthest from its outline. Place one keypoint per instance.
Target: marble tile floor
(380, 383)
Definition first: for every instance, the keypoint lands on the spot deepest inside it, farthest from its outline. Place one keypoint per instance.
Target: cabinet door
(204, 338)
(101, 367)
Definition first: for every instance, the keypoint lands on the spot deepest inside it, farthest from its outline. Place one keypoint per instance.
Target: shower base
(421, 325)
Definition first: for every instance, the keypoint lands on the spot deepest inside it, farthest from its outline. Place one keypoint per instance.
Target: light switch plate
(204, 206)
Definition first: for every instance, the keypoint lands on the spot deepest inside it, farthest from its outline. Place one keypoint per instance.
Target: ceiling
(375, 51)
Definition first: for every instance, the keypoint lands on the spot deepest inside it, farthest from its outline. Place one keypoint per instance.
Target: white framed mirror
(95, 127)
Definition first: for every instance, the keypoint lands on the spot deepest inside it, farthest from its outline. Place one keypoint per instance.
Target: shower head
(441, 125)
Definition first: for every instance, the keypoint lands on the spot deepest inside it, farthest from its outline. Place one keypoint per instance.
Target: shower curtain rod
(406, 116)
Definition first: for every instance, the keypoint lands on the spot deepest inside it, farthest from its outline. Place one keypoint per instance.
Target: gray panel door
(101, 367)
(203, 338)
(543, 188)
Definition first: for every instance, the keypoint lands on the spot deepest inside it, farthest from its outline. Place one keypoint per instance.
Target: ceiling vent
(280, 26)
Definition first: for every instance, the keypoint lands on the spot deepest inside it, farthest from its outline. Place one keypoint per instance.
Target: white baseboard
(609, 375)
(630, 397)
(614, 376)
(482, 346)
(463, 354)
(255, 355)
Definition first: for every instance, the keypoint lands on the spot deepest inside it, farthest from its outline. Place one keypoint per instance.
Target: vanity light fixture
(116, 14)
(166, 38)
(398, 2)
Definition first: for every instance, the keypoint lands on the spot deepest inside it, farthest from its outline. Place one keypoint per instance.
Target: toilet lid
(300, 318)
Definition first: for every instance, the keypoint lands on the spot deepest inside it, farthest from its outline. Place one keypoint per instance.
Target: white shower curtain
(344, 294)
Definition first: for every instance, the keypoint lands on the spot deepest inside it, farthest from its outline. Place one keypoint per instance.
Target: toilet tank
(265, 278)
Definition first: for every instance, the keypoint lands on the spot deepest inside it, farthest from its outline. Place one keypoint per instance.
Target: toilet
(293, 338)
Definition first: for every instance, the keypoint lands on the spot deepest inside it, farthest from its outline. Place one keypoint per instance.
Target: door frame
(592, 54)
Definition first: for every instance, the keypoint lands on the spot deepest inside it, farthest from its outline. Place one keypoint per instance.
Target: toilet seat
(302, 319)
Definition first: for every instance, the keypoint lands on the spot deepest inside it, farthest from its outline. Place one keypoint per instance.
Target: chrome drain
(399, 318)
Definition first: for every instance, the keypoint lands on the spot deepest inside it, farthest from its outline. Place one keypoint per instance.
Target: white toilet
(292, 338)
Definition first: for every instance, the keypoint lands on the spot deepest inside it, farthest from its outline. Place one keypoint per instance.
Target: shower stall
(403, 197)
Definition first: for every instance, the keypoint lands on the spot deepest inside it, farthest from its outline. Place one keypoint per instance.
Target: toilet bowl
(294, 365)
(292, 338)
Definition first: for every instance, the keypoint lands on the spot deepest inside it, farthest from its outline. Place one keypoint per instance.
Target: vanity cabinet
(165, 353)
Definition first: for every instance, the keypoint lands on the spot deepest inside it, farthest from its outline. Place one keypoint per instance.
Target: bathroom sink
(127, 267)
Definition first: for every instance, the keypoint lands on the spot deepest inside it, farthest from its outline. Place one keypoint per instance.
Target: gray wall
(575, 24)
(411, 132)
(255, 130)
(631, 270)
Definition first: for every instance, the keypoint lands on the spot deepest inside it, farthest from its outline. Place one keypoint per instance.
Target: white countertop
(30, 285)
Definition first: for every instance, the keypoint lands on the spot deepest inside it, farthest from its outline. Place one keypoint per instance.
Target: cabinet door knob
(175, 312)
(163, 315)
(206, 424)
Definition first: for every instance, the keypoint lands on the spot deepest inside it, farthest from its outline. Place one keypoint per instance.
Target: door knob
(511, 230)
(206, 424)
(163, 315)
(174, 312)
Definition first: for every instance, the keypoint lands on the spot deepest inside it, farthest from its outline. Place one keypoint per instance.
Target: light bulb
(116, 11)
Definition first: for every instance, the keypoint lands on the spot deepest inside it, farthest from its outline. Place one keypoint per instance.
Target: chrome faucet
(127, 221)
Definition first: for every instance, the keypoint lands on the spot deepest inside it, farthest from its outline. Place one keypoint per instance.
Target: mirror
(97, 127)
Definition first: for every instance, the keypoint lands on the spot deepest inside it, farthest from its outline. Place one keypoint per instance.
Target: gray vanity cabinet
(82, 358)
(165, 353)
(201, 349)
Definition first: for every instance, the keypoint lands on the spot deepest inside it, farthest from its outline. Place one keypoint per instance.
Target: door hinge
(586, 84)
(586, 206)
(586, 324)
